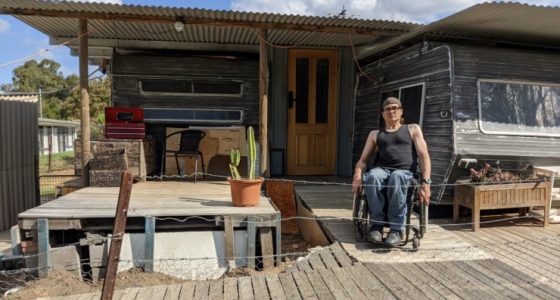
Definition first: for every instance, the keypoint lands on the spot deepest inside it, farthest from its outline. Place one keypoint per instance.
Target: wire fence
(20, 270)
(54, 186)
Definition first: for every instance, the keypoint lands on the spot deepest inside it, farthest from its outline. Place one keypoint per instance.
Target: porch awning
(145, 27)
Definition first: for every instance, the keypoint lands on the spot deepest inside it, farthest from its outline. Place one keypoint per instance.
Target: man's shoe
(393, 239)
(375, 236)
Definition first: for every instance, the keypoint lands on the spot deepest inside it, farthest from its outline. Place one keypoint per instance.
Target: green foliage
(252, 151)
(59, 161)
(234, 158)
(61, 96)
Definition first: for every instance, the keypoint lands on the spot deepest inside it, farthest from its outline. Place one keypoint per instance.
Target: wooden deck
(516, 259)
(155, 199)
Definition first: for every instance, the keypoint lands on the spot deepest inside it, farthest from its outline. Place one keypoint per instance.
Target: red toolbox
(124, 123)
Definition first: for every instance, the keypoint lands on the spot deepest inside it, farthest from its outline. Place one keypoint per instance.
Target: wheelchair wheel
(415, 242)
(360, 221)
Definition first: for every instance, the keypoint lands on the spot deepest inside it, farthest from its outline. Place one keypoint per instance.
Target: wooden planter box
(496, 196)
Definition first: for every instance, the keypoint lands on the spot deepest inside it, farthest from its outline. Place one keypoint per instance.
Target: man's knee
(375, 176)
(400, 177)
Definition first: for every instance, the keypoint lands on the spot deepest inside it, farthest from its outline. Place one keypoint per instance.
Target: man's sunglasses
(392, 108)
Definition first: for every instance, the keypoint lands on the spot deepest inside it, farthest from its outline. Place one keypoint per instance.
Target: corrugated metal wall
(18, 159)
(411, 66)
(473, 63)
(128, 70)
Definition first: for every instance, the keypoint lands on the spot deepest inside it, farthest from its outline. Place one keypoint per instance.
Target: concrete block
(97, 274)
(67, 259)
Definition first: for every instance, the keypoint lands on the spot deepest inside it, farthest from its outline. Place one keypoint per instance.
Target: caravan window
(519, 108)
(192, 87)
(412, 99)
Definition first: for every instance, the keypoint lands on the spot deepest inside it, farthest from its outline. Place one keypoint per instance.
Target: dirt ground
(61, 283)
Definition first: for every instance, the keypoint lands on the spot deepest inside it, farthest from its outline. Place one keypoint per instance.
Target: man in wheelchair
(397, 145)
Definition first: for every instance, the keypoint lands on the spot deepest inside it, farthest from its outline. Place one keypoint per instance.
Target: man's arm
(369, 149)
(425, 162)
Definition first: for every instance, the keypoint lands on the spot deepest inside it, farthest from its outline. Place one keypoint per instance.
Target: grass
(59, 161)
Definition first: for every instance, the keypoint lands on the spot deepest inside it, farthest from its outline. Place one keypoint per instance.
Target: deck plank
(259, 287)
(460, 290)
(368, 283)
(304, 285)
(315, 261)
(328, 258)
(494, 292)
(426, 279)
(319, 286)
(348, 284)
(508, 280)
(472, 290)
(245, 288)
(341, 255)
(393, 281)
(158, 292)
(414, 279)
(202, 290)
(333, 284)
(275, 287)
(230, 288)
(130, 293)
(187, 290)
(173, 292)
(216, 289)
(289, 285)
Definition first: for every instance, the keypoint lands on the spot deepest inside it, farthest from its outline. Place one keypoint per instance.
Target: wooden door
(313, 88)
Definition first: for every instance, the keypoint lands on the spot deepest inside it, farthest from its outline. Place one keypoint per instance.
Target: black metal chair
(188, 146)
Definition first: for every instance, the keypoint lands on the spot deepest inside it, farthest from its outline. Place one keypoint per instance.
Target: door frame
(334, 81)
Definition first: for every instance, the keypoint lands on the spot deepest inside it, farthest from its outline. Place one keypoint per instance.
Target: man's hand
(357, 184)
(424, 194)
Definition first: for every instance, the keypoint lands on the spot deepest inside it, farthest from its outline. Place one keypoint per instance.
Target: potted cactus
(245, 191)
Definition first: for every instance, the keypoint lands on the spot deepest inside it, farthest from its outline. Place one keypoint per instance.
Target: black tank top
(396, 150)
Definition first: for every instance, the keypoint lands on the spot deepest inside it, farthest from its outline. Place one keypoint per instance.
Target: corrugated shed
(153, 31)
(498, 21)
(18, 157)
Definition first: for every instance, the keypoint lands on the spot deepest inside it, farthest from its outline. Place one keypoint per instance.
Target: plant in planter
(245, 191)
(490, 175)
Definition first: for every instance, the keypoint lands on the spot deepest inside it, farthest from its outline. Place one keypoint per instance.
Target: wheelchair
(361, 220)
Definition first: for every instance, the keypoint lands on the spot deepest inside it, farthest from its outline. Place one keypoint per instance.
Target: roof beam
(193, 21)
(164, 45)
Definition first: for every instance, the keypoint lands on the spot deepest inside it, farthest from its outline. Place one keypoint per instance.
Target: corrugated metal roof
(498, 21)
(19, 98)
(154, 31)
(58, 123)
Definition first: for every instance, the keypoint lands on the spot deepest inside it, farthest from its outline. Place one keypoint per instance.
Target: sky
(18, 40)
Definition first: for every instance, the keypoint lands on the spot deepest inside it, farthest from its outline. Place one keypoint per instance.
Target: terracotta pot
(245, 192)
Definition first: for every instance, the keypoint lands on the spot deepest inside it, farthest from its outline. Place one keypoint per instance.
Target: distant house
(60, 134)
(18, 156)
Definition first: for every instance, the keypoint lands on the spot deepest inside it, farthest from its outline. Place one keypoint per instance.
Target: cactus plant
(235, 158)
(252, 151)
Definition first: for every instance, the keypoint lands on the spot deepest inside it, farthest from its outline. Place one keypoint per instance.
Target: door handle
(291, 99)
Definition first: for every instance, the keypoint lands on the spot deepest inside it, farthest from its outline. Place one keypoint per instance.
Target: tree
(60, 95)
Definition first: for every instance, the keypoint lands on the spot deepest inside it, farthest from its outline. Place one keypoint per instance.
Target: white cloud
(424, 11)
(4, 26)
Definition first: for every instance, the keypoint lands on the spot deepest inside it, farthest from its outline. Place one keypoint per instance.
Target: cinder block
(98, 255)
(97, 274)
(66, 258)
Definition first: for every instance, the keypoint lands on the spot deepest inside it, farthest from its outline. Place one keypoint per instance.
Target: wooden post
(251, 241)
(229, 240)
(118, 234)
(84, 94)
(150, 232)
(263, 98)
(43, 247)
(278, 239)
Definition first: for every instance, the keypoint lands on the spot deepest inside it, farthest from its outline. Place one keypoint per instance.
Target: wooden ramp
(333, 206)
(474, 279)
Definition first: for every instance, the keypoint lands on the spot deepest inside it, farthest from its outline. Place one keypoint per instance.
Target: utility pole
(40, 104)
